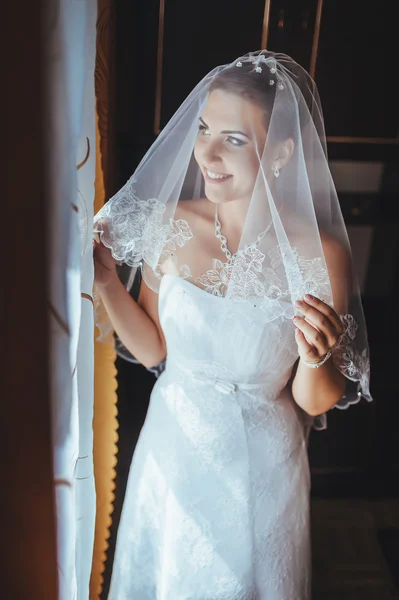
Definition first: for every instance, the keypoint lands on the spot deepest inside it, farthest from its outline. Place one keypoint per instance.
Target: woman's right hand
(104, 265)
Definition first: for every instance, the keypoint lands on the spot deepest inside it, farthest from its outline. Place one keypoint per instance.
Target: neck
(232, 216)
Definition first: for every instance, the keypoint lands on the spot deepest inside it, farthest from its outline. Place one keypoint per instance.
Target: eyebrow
(226, 131)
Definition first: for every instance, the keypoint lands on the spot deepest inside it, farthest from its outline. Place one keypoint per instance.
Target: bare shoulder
(336, 254)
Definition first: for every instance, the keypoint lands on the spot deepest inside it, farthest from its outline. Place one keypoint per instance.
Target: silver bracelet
(317, 365)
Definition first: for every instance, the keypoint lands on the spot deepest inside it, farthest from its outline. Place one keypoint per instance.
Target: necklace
(223, 240)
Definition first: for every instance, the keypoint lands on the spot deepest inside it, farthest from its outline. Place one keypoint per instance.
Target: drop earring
(276, 171)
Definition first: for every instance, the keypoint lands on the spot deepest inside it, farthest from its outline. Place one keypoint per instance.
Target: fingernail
(308, 297)
(299, 303)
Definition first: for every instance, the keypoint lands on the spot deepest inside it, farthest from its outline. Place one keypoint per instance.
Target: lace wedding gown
(217, 502)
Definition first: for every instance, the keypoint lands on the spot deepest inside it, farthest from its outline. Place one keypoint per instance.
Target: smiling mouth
(215, 177)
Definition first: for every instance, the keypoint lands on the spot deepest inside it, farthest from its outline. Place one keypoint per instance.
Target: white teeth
(215, 175)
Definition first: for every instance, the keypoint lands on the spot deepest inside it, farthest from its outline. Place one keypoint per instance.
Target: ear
(284, 152)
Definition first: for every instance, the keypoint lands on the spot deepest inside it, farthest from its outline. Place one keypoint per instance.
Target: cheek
(201, 150)
(197, 148)
(247, 166)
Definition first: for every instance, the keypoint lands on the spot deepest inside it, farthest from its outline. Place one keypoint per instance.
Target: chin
(215, 196)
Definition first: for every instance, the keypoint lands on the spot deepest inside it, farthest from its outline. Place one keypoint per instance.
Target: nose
(212, 153)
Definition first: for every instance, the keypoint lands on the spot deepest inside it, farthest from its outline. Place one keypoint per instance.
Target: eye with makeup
(236, 141)
(231, 139)
(202, 129)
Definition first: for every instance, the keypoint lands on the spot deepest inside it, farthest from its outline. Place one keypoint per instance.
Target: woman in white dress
(249, 295)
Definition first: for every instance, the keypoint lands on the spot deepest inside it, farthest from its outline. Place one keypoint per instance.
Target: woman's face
(230, 131)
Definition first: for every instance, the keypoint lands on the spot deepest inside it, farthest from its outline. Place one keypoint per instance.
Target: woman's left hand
(318, 331)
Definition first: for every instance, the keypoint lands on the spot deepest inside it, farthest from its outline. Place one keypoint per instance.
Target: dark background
(356, 64)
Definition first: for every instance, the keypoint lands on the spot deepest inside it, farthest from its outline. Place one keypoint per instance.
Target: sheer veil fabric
(268, 195)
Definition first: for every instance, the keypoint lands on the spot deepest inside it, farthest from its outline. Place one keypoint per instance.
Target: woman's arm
(136, 323)
(318, 390)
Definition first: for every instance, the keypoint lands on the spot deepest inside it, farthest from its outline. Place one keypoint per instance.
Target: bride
(248, 292)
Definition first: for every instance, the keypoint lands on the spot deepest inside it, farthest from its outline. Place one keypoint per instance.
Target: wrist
(110, 282)
(318, 363)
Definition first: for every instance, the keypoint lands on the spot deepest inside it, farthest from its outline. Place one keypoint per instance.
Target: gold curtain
(105, 422)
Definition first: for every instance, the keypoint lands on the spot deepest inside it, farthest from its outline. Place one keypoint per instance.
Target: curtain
(71, 32)
(105, 422)
(105, 427)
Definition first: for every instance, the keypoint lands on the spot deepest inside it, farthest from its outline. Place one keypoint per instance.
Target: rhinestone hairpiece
(269, 61)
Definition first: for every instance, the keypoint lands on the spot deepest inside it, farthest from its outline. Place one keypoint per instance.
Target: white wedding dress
(217, 502)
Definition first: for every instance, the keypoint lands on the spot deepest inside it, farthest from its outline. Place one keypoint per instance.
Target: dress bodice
(232, 340)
